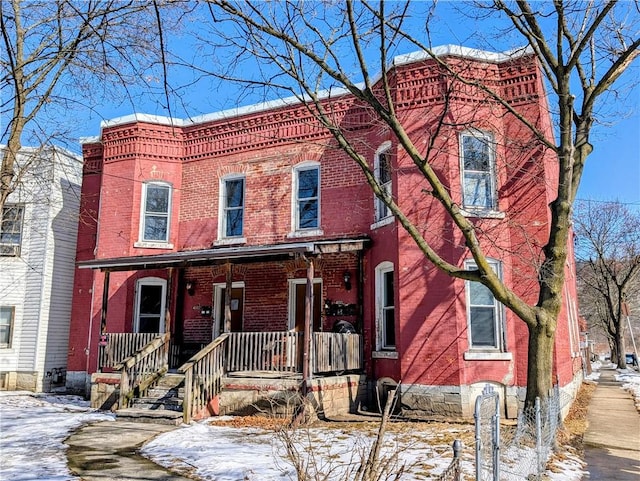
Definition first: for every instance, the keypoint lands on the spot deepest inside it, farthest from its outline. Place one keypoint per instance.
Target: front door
(150, 305)
(237, 308)
(298, 292)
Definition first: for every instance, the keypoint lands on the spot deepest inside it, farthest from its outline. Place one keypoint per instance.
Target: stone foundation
(452, 402)
(78, 382)
(105, 391)
(328, 396)
(20, 381)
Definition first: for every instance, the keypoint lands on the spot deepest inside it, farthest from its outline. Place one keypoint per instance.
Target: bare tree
(583, 48)
(61, 55)
(608, 249)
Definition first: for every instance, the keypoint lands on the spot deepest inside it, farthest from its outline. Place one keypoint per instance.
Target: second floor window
(478, 171)
(232, 207)
(156, 208)
(383, 176)
(11, 230)
(307, 197)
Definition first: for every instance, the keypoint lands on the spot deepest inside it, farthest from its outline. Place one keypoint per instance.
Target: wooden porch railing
(333, 352)
(264, 351)
(119, 346)
(203, 377)
(143, 369)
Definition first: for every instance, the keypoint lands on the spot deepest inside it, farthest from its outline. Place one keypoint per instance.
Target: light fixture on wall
(191, 287)
(347, 280)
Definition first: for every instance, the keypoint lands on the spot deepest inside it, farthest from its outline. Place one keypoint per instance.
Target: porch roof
(238, 254)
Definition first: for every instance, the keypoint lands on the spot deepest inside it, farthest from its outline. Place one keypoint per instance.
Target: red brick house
(253, 222)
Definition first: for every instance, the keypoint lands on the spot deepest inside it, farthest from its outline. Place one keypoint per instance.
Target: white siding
(39, 283)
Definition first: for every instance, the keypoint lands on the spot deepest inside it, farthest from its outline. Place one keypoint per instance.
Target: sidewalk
(107, 451)
(612, 440)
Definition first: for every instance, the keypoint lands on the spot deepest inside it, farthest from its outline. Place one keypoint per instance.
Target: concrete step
(159, 392)
(171, 380)
(157, 416)
(170, 403)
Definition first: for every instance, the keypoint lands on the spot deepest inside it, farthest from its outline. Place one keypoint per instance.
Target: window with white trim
(478, 171)
(382, 172)
(156, 212)
(306, 201)
(11, 230)
(232, 207)
(385, 307)
(150, 305)
(7, 314)
(484, 313)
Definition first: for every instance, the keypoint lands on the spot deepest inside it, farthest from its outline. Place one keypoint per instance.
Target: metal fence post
(538, 437)
(496, 441)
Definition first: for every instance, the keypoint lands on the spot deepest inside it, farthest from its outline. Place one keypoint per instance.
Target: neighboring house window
(382, 172)
(11, 230)
(385, 308)
(232, 203)
(478, 171)
(6, 325)
(150, 305)
(156, 208)
(307, 197)
(484, 313)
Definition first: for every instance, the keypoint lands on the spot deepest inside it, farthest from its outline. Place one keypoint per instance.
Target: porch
(134, 364)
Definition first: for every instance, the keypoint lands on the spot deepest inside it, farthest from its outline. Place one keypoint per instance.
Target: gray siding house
(37, 256)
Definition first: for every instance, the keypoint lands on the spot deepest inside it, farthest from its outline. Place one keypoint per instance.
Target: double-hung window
(478, 171)
(484, 314)
(11, 230)
(386, 333)
(382, 171)
(6, 325)
(232, 203)
(156, 210)
(307, 197)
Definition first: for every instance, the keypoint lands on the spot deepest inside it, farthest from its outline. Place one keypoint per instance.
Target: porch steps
(161, 405)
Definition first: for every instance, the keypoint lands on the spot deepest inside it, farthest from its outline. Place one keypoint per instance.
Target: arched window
(306, 197)
(382, 172)
(155, 212)
(385, 307)
(477, 162)
(232, 202)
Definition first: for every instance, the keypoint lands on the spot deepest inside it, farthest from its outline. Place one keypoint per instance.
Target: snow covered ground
(224, 450)
(32, 430)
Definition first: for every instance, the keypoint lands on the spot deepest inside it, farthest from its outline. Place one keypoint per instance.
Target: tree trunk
(540, 364)
(620, 350)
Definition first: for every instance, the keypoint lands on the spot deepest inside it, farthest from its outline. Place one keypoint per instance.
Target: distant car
(631, 360)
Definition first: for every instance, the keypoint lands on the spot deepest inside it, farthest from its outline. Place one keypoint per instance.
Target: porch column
(307, 370)
(105, 301)
(167, 301)
(227, 298)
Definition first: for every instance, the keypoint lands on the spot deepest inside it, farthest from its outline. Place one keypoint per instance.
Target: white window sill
(483, 213)
(230, 241)
(153, 245)
(384, 354)
(382, 222)
(305, 233)
(488, 356)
